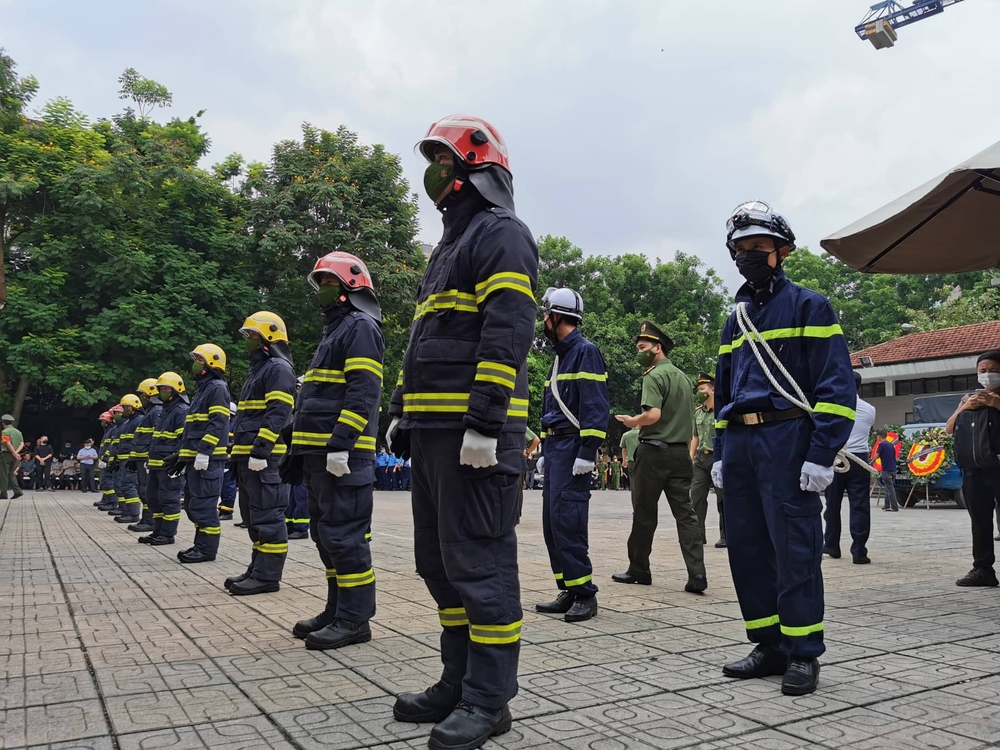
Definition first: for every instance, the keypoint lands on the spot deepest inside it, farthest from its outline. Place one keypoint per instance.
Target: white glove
(717, 474)
(389, 433)
(478, 450)
(336, 463)
(201, 462)
(102, 465)
(540, 464)
(582, 466)
(257, 464)
(815, 478)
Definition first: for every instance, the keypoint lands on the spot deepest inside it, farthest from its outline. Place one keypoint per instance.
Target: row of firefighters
(459, 408)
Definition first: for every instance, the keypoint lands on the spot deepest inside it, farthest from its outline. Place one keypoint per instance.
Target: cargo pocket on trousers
(575, 511)
(803, 538)
(491, 509)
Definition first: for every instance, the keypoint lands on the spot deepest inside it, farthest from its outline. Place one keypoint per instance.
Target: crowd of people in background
(71, 468)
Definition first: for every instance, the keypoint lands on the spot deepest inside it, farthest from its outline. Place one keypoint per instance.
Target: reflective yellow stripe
(285, 398)
(806, 630)
(763, 622)
(211, 530)
(157, 515)
(450, 299)
(197, 417)
(559, 576)
(496, 372)
(824, 407)
(273, 549)
(350, 580)
(579, 581)
(156, 463)
(495, 635)
(311, 438)
(352, 364)
(319, 375)
(399, 380)
(368, 537)
(171, 516)
(170, 435)
(809, 332)
(241, 450)
(331, 573)
(600, 377)
(219, 410)
(518, 408)
(365, 442)
(140, 455)
(143, 429)
(352, 419)
(296, 520)
(251, 405)
(225, 508)
(268, 435)
(456, 403)
(132, 501)
(519, 282)
(721, 425)
(210, 439)
(453, 617)
(594, 433)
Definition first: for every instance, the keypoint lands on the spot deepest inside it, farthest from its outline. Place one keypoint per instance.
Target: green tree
(145, 92)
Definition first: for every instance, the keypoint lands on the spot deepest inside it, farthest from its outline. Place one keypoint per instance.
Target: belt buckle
(752, 419)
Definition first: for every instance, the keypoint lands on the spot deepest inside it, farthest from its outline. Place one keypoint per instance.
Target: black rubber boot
(141, 527)
(560, 606)
(468, 727)
(127, 519)
(251, 586)
(763, 661)
(304, 627)
(194, 556)
(159, 541)
(431, 706)
(298, 534)
(338, 634)
(225, 516)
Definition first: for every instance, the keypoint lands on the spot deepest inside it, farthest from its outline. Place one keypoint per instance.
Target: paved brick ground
(108, 644)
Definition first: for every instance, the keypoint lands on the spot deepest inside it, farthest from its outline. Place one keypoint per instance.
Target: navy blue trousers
(201, 503)
(128, 501)
(163, 495)
(775, 535)
(857, 483)
(297, 511)
(565, 517)
(262, 507)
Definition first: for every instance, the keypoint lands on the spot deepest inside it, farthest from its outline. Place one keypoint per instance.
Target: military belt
(561, 431)
(763, 417)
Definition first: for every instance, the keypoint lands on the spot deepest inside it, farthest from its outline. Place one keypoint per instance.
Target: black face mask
(753, 266)
(550, 333)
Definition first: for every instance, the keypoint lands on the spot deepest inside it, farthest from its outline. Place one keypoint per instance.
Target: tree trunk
(19, 397)
(3, 256)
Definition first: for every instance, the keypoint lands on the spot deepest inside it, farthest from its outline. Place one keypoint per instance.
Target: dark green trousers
(700, 485)
(8, 474)
(665, 469)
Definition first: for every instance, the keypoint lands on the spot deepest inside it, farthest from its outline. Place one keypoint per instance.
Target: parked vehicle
(944, 489)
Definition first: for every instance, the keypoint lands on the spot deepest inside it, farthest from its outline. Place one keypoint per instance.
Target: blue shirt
(382, 459)
(887, 452)
(87, 456)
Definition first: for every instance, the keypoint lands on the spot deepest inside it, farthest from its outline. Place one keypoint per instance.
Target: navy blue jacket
(115, 439)
(169, 428)
(887, 452)
(337, 407)
(583, 387)
(127, 435)
(206, 427)
(465, 366)
(144, 432)
(265, 405)
(108, 442)
(802, 329)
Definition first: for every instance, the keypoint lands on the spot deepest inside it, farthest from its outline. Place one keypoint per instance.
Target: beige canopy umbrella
(948, 225)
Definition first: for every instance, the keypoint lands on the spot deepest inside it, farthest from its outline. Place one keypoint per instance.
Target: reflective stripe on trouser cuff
(296, 520)
(578, 581)
(273, 548)
(157, 515)
(212, 530)
(225, 509)
(495, 635)
(763, 622)
(171, 516)
(803, 631)
(350, 580)
(132, 500)
(331, 573)
(453, 617)
(368, 536)
(145, 507)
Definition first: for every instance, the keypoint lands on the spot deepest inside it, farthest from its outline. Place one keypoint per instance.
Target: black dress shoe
(251, 586)
(338, 634)
(235, 579)
(240, 525)
(763, 661)
(126, 519)
(225, 516)
(145, 539)
(98, 504)
(16, 495)
(160, 540)
(141, 527)
(862, 560)
(834, 553)
(629, 578)
(978, 577)
(304, 627)
(468, 727)
(298, 534)
(560, 606)
(194, 556)
(582, 610)
(801, 677)
(721, 544)
(433, 705)
(696, 584)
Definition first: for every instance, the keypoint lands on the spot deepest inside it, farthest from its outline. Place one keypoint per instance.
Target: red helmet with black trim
(354, 279)
(105, 417)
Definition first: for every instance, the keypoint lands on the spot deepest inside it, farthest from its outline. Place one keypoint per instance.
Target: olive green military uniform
(602, 472)
(628, 443)
(662, 464)
(616, 475)
(8, 462)
(704, 425)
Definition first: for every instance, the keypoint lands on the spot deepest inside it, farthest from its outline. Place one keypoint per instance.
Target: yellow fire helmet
(213, 355)
(130, 399)
(267, 325)
(171, 380)
(147, 386)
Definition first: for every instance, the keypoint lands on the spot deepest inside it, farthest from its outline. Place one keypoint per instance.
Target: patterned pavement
(105, 643)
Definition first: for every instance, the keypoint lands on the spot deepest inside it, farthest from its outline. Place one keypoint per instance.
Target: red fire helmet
(350, 269)
(472, 139)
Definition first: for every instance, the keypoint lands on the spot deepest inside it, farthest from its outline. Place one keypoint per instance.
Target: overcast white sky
(632, 126)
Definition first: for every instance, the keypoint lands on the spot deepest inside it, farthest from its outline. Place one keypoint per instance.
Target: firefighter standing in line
(163, 490)
(230, 480)
(203, 451)
(701, 457)
(297, 512)
(462, 405)
(132, 417)
(263, 410)
(575, 412)
(662, 463)
(774, 458)
(333, 432)
(115, 467)
(148, 394)
(109, 499)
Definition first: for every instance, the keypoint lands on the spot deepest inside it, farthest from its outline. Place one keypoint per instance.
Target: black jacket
(265, 405)
(977, 439)
(206, 427)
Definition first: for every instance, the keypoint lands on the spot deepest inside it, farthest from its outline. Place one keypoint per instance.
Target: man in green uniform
(702, 457)
(662, 462)
(602, 472)
(10, 457)
(615, 467)
(628, 444)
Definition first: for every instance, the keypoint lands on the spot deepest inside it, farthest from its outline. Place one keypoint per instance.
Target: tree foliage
(146, 93)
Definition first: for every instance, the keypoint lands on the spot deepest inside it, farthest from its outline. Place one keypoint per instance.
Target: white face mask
(990, 380)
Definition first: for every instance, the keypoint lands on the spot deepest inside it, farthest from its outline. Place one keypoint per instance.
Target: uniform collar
(568, 342)
(461, 211)
(747, 293)
(664, 361)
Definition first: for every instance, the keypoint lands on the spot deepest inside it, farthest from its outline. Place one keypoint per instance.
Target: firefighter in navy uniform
(771, 458)
(263, 410)
(333, 433)
(460, 408)
(574, 424)
(230, 480)
(108, 499)
(203, 451)
(297, 511)
(115, 466)
(132, 418)
(148, 394)
(163, 490)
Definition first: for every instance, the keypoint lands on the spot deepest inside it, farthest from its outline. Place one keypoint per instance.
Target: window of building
(903, 387)
(920, 386)
(873, 390)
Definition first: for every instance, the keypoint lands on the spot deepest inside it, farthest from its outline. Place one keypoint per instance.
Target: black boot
(99, 503)
(721, 544)
(560, 606)
(235, 579)
(141, 527)
(801, 678)
(145, 539)
(762, 662)
(17, 494)
(582, 609)
(304, 627)
(338, 634)
(127, 519)
(832, 552)
(431, 706)
(194, 556)
(468, 727)
(225, 516)
(696, 584)
(159, 541)
(978, 577)
(298, 534)
(116, 512)
(251, 586)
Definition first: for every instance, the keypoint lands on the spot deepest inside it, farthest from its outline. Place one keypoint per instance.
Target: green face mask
(646, 358)
(328, 294)
(700, 397)
(166, 394)
(437, 179)
(197, 368)
(251, 345)
(116, 416)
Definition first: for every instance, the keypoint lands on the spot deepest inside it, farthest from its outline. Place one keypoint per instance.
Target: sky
(631, 127)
